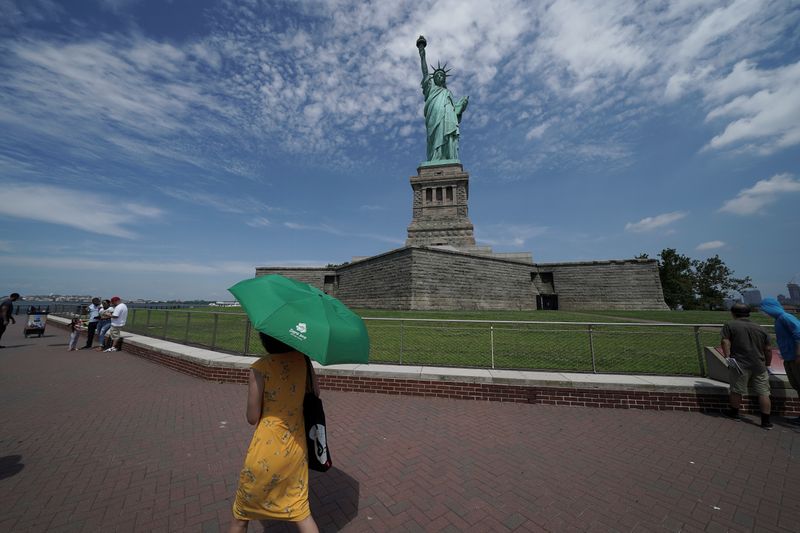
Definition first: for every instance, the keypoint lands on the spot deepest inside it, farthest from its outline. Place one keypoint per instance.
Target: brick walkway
(109, 442)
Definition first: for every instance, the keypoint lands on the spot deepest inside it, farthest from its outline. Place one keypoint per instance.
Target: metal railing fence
(595, 347)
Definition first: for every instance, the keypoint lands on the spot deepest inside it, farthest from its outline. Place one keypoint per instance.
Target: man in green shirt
(746, 345)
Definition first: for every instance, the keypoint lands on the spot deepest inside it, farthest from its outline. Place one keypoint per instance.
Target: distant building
(752, 297)
(794, 292)
(231, 303)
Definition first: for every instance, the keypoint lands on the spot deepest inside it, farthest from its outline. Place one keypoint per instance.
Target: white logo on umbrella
(299, 331)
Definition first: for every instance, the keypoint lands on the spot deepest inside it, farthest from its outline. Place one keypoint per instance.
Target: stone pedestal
(440, 213)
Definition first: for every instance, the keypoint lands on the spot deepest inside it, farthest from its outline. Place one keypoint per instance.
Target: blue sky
(164, 149)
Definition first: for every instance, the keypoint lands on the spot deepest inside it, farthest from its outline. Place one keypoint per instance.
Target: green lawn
(545, 346)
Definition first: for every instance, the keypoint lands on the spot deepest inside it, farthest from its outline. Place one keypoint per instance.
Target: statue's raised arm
(442, 112)
(421, 44)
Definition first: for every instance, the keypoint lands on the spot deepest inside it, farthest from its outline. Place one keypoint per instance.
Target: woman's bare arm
(255, 396)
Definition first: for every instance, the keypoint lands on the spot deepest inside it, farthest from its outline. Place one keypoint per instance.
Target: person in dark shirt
(746, 345)
(7, 313)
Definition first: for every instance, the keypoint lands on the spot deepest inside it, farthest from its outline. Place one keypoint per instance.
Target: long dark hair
(273, 345)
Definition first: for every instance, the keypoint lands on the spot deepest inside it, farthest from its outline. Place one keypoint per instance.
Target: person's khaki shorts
(115, 333)
(758, 383)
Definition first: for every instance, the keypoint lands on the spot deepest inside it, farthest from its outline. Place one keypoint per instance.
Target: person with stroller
(7, 313)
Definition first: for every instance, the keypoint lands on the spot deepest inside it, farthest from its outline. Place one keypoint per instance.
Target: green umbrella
(305, 318)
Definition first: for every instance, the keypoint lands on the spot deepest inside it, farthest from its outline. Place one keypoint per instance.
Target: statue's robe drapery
(441, 121)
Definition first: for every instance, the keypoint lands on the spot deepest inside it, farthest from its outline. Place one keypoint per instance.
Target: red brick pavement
(110, 442)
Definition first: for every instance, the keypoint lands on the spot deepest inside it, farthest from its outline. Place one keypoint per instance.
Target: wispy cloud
(128, 265)
(536, 132)
(753, 199)
(764, 114)
(258, 222)
(372, 208)
(509, 234)
(710, 245)
(218, 201)
(304, 83)
(69, 207)
(652, 223)
(326, 228)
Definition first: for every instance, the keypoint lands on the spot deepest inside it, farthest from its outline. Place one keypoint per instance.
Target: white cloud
(307, 84)
(652, 223)
(710, 245)
(536, 132)
(70, 207)
(258, 222)
(766, 115)
(508, 234)
(326, 228)
(752, 200)
(715, 26)
(110, 265)
(593, 38)
(219, 202)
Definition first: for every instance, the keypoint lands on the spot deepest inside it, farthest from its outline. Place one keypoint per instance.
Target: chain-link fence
(638, 348)
(671, 349)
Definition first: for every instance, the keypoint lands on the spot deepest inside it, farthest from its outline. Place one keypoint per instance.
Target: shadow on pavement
(10, 465)
(333, 497)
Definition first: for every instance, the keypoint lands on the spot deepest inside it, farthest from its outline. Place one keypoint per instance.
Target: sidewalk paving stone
(95, 441)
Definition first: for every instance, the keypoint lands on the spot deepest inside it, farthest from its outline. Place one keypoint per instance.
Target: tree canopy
(695, 284)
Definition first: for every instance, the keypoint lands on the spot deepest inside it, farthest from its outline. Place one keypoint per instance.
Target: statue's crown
(441, 68)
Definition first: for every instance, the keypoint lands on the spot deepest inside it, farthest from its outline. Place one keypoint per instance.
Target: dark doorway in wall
(547, 302)
(329, 284)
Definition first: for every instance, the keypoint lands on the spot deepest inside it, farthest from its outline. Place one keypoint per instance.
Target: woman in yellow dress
(273, 483)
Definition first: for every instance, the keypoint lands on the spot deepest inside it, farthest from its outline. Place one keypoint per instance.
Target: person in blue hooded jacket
(787, 333)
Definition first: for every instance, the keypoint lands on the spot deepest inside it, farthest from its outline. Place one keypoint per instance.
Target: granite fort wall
(450, 280)
(626, 284)
(314, 276)
(422, 278)
(380, 282)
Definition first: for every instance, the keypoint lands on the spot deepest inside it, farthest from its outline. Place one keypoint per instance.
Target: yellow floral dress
(273, 484)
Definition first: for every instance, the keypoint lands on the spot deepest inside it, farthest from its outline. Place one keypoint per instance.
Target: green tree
(677, 278)
(714, 281)
(695, 284)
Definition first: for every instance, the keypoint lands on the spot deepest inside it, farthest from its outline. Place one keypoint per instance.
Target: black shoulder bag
(319, 456)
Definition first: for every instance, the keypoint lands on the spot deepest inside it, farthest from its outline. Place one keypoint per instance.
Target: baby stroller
(37, 321)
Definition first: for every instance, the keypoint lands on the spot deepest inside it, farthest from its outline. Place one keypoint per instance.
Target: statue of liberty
(442, 113)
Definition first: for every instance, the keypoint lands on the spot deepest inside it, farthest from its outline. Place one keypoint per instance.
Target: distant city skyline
(164, 150)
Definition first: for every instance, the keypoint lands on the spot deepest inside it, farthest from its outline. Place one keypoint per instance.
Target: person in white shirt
(94, 318)
(118, 319)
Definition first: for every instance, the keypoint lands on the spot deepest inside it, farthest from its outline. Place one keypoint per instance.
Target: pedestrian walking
(746, 345)
(7, 313)
(787, 335)
(273, 483)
